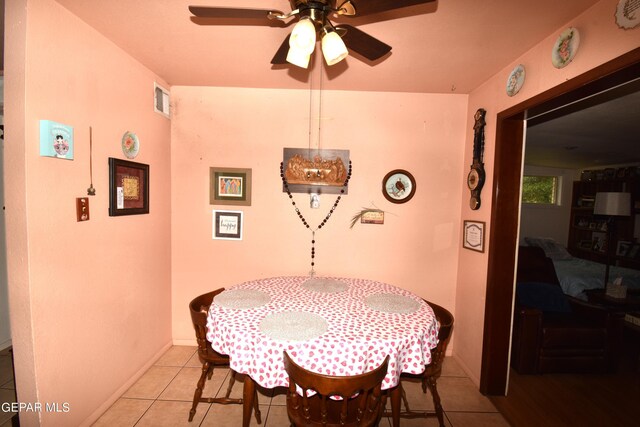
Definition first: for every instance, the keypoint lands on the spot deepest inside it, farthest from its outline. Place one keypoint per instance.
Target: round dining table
(329, 325)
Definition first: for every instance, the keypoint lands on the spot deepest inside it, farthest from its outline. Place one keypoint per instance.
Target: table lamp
(611, 204)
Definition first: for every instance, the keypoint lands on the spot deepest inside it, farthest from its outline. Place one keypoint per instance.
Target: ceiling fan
(312, 18)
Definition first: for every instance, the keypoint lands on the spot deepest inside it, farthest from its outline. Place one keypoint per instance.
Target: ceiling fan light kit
(303, 36)
(298, 57)
(313, 19)
(303, 39)
(333, 48)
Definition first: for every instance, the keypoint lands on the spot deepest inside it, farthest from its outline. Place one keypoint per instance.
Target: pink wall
(416, 248)
(89, 301)
(600, 41)
(136, 274)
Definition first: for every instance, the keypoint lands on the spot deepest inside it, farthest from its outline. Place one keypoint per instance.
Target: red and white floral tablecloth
(359, 333)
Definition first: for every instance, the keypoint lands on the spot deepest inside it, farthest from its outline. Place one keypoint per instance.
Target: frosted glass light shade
(303, 36)
(298, 57)
(333, 48)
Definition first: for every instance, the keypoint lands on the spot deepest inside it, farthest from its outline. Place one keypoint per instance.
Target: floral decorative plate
(565, 48)
(130, 145)
(515, 80)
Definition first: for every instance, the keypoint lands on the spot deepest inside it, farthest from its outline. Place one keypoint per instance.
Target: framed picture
(56, 140)
(227, 225)
(634, 251)
(372, 217)
(128, 187)
(623, 248)
(229, 186)
(599, 242)
(473, 235)
(321, 171)
(585, 244)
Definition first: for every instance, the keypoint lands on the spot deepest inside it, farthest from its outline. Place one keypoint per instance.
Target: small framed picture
(623, 248)
(56, 140)
(599, 242)
(229, 186)
(634, 251)
(473, 235)
(128, 187)
(372, 217)
(227, 225)
(585, 244)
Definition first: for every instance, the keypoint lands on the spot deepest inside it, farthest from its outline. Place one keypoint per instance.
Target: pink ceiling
(441, 47)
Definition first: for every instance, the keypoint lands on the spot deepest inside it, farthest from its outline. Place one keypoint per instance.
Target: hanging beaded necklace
(302, 218)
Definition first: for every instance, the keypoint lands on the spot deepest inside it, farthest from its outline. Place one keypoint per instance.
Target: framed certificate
(473, 235)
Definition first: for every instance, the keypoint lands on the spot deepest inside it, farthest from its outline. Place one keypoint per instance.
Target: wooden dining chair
(434, 369)
(199, 308)
(347, 401)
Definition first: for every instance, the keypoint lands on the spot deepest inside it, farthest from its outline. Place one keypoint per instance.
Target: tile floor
(163, 396)
(7, 386)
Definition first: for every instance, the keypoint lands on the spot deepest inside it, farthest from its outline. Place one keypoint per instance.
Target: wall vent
(160, 100)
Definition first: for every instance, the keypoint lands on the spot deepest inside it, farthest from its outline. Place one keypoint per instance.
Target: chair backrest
(445, 319)
(199, 307)
(339, 401)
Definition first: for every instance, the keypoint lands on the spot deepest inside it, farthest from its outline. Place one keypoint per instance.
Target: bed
(577, 275)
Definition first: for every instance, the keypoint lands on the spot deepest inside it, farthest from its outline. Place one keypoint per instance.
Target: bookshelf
(588, 232)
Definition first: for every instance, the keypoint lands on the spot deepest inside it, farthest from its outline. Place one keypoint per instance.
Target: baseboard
(119, 392)
(466, 370)
(193, 342)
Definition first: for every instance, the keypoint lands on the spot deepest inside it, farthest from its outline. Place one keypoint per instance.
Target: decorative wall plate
(398, 186)
(628, 14)
(130, 145)
(515, 80)
(565, 48)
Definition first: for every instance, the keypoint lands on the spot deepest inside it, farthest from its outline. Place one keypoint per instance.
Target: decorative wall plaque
(315, 171)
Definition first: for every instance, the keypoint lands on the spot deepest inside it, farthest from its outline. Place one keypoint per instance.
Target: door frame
(507, 174)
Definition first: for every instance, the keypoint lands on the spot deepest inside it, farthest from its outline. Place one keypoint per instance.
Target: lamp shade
(333, 48)
(303, 36)
(612, 204)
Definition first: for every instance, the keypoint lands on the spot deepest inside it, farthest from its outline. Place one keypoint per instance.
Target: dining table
(329, 325)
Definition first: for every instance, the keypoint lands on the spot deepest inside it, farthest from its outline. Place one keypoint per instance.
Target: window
(541, 190)
(160, 100)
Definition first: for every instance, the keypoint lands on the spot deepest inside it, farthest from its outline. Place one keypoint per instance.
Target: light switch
(82, 209)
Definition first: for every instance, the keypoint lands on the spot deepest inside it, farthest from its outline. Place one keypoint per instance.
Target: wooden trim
(503, 231)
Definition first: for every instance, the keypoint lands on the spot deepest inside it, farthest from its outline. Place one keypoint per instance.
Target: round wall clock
(398, 186)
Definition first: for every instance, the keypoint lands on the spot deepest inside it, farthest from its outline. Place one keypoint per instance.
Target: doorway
(506, 206)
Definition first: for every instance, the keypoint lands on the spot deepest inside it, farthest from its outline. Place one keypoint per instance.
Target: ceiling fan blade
(233, 13)
(369, 7)
(281, 55)
(362, 43)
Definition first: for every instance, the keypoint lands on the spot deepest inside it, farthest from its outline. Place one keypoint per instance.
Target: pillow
(546, 297)
(551, 248)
